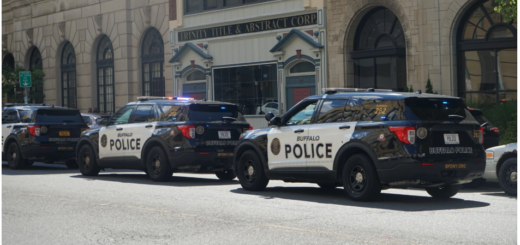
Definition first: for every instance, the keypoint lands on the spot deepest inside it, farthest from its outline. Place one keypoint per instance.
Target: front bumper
(490, 172)
(202, 161)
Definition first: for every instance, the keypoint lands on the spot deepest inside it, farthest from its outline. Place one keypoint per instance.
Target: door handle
(148, 126)
(119, 129)
(344, 127)
(298, 131)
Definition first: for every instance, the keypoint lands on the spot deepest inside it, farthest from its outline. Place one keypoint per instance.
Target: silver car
(93, 120)
(501, 164)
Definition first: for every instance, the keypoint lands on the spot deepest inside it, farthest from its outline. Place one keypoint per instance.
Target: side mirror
(269, 116)
(275, 121)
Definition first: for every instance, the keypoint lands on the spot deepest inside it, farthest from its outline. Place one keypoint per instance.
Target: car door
(141, 127)
(331, 131)
(9, 119)
(111, 148)
(288, 143)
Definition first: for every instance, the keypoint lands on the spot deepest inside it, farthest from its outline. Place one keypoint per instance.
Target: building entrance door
(298, 88)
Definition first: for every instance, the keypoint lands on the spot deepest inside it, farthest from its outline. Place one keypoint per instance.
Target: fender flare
(355, 144)
(88, 141)
(255, 148)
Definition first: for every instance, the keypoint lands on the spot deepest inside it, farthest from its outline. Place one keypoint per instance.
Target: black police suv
(366, 141)
(165, 135)
(40, 132)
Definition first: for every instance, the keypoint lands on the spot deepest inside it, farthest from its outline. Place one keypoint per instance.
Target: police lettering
(125, 144)
(320, 150)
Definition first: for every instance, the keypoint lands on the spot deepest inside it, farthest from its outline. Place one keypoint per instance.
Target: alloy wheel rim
(13, 156)
(357, 179)
(156, 164)
(511, 177)
(249, 171)
(86, 161)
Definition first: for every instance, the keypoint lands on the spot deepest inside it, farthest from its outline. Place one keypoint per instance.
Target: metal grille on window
(105, 68)
(152, 57)
(68, 77)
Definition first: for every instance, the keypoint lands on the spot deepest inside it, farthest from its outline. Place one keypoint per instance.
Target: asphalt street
(49, 204)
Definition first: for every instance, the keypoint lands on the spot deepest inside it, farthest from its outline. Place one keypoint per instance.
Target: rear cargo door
(58, 127)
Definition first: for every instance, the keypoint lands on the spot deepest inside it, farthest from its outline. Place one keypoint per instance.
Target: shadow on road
(386, 200)
(142, 178)
(500, 194)
(39, 169)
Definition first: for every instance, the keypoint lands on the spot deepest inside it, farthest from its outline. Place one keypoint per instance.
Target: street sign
(25, 79)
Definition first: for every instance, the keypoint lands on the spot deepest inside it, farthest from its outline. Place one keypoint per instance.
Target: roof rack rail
(347, 90)
(147, 98)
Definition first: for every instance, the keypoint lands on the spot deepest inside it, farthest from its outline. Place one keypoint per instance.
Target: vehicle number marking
(64, 133)
(451, 139)
(65, 148)
(380, 110)
(224, 134)
(455, 166)
(225, 154)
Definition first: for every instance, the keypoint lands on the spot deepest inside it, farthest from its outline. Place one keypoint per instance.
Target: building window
(105, 76)
(197, 6)
(35, 63)
(8, 63)
(249, 87)
(68, 77)
(195, 86)
(303, 67)
(379, 51)
(152, 57)
(487, 56)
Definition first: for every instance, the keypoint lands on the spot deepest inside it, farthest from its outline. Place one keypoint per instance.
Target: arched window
(68, 77)
(105, 76)
(303, 67)
(8, 63)
(196, 76)
(486, 47)
(35, 62)
(379, 51)
(152, 57)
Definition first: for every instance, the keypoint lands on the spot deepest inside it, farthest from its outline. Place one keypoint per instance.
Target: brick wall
(173, 9)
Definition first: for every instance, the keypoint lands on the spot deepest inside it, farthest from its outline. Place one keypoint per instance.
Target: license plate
(455, 166)
(64, 133)
(451, 139)
(224, 134)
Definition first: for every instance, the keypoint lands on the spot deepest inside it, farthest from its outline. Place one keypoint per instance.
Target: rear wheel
(71, 164)
(328, 185)
(158, 166)
(360, 179)
(507, 176)
(443, 192)
(251, 172)
(14, 157)
(87, 161)
(226, 175)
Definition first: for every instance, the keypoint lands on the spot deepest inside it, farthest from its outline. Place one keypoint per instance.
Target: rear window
(213, 112)
(434, 108)
(58, 116)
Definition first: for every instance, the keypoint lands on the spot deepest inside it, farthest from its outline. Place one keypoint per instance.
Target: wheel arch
(503, 158)
(10, 140)
(149, 144)
(350, 149)
(86, 141)
(245, 146)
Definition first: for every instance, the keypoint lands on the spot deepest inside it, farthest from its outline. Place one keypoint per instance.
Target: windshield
(58, 116)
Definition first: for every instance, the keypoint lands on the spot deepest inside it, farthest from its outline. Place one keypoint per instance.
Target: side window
(143, 113)
(9, 116)
(122, 116)
(372, 110)
(25, 115)
(332, 111)
(87, 120)
(302, 116)
(170, 113)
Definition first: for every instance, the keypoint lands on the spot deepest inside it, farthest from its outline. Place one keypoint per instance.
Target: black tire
(14, 157)
(71, 164)
(475, 183)
(443, 192)
(158, 166)
(87, 162)
(251, 172)
(507, 176)
(226, 175)
(329, 186)
(360, 179)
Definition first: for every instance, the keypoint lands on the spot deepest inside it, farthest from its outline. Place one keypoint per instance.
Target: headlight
(489, 155)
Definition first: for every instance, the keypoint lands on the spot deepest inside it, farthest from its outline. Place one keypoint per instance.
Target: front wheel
(158, 166)
(86, 161)
(443, 192)
(250, 172)
(507, 176)
(226, 175)
(360, 179)
(14, 157)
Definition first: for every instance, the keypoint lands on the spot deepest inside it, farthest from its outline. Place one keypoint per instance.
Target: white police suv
(165, 135)
(366, 140)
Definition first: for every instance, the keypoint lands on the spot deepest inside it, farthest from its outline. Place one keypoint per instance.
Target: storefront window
(196, 6)
(250, 87)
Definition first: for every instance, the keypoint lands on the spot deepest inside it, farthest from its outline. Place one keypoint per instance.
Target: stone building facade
(463, 46)
(97, 54)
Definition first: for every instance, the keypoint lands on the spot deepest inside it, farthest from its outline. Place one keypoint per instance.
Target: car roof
(37, 107)
(380, 95)
(95, 114)
(177, 102)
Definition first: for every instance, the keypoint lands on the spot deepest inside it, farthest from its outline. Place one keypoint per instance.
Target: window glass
(143, 113)
(57, 116)
(25, 115)
(192, 6)
(196, 76)
(434, 109)
(213, 112)
(210, 4)
(303, 116)
(9, 116)
(122, 116)
(228, 3)
(170, 113)
(331, 111)
(376, 110)
(303, 67)
(87, 120)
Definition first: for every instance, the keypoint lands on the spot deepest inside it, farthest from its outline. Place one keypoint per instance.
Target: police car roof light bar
(146, 98)
(347, 90)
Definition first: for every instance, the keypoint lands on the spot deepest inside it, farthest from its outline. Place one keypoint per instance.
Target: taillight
(481, 136)
(495, 130)
(187, 130)
(404, 134)
(250, 127)
(34, 130)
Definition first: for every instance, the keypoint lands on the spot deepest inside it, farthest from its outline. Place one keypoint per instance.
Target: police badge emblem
(381, 137)
(421, 133)
(199, 130)
(104, 140)
(275, 146)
